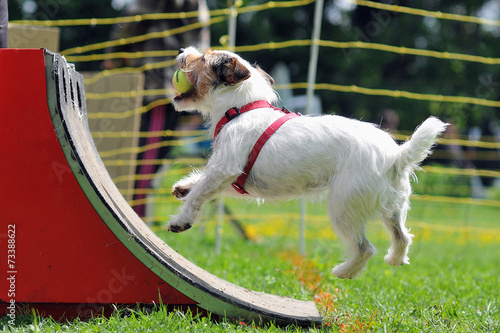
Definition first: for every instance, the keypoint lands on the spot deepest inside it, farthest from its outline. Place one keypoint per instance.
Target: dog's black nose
(181, 50)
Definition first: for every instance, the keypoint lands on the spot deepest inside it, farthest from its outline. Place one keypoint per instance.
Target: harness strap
(235, 112)
(238, 184)
(254, 153)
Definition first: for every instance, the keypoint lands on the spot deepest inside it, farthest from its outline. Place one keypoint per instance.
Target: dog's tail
(415, 150)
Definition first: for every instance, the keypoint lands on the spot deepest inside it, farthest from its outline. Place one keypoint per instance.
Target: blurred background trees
(344, 21)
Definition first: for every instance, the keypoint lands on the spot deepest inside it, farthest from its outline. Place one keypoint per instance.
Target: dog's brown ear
(234, 72)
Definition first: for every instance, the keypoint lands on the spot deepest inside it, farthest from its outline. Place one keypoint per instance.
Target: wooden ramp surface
(78, 246)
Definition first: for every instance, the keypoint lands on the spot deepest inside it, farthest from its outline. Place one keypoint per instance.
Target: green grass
(450, 286)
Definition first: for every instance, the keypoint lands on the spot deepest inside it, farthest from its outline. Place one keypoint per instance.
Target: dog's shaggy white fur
(364, 172)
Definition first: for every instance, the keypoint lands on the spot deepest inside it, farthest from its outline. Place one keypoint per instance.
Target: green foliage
(493, 193)
(376, 69)
(71, 36)
(438, 184)
(367, 68)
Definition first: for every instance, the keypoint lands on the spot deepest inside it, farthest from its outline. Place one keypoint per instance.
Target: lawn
(451, 284)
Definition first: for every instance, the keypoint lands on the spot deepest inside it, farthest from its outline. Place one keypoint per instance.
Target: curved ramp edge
(67, 105)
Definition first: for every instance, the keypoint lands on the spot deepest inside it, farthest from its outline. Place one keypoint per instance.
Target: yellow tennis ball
(181, 82)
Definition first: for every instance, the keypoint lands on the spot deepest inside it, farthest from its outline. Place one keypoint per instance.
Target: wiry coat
(363, 171)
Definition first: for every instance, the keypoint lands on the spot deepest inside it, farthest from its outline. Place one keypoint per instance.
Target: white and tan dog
(363, 171)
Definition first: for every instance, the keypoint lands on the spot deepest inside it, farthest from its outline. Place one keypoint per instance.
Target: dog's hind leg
(401, 239)
(350, 227)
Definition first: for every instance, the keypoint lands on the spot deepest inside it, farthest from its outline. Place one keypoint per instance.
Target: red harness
(233, 113)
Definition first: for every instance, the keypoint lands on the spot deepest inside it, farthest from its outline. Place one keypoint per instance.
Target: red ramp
(70, 243)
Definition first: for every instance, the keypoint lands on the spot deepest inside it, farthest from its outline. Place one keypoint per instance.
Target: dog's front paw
(183, 186)
(176, 226)
(180, 192)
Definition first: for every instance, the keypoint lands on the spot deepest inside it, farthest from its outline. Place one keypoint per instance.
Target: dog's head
(221, 80)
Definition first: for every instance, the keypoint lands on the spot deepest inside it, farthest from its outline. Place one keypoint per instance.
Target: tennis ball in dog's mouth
(181, 82)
